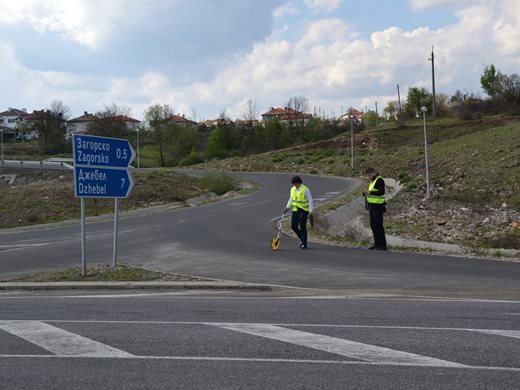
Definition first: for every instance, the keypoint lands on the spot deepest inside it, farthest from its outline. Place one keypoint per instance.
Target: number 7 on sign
(123, 182)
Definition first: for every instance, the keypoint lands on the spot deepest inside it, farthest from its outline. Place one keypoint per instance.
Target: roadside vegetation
(105, 273)
(42, 197)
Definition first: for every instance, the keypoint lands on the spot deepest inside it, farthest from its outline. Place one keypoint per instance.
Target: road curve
(230, 240)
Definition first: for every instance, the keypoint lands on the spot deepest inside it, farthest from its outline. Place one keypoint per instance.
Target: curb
(211, 285)
(350, 217)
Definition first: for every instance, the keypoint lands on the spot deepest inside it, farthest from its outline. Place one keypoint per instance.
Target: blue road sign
(92, 182)
(102, 151)
(101, 166)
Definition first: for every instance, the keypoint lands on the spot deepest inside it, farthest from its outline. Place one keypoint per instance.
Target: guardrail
(51, 164)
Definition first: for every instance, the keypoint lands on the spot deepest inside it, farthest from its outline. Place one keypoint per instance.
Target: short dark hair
(296, 179)
(370, 170)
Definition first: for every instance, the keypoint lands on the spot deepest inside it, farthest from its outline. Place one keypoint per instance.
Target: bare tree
(250, 114)
(300, 104)
(194, 114)
(111, 122)
(59, 109)
(223, 115)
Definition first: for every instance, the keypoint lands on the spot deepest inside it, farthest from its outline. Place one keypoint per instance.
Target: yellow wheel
(275, 244)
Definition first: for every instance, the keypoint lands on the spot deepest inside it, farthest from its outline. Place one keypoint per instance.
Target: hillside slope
(474, 169)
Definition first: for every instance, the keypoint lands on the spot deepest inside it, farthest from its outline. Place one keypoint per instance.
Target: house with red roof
(81, 124)
(285, 114)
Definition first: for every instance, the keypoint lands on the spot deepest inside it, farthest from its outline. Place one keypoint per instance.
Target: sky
(204, 57)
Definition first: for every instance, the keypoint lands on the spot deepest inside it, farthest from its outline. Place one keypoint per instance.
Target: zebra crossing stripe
(351, 349)
(59, 341)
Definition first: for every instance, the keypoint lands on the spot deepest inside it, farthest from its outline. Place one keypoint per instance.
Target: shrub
(219, 183)
(193, 158)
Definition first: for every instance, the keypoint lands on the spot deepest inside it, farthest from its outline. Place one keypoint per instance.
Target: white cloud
(325, 5)
(425, 4)
(87, 22)
(330, 65)
(293, 7)
(322, 59)
(326, 30)
(289, 8)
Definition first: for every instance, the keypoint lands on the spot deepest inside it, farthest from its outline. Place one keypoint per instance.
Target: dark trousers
(376, 223)
(299, 224)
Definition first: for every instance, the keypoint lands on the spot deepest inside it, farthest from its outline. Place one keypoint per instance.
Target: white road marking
(239, 203)
(15, 247)
(18, 246)
(317, 200)
(259, 360)
(505, 333)
(59, 341)
(69, 345)
(352, 349)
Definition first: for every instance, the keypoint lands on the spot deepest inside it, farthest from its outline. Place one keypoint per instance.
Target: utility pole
(432, 59)
(377, 117)
(399, 99)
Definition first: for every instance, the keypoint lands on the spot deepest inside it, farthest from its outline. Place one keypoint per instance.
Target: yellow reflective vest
(298, 199)
(375, 199)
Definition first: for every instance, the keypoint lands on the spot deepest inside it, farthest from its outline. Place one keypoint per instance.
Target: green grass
(105, 273)
(148, 156)
(219, 183)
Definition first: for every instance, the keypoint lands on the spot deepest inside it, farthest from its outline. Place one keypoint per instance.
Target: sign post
(101, 171)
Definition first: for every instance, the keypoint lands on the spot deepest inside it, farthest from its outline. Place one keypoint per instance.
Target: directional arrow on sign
(102, 182)
(102, 151)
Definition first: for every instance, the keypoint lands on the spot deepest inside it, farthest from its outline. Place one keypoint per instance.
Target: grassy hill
(474, 169)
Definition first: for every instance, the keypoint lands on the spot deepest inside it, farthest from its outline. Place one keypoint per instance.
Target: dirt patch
(41, 197)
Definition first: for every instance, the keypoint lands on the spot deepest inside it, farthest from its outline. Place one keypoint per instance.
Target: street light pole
(2, 142)
(424, 109)
(138, 162)
(351, 142)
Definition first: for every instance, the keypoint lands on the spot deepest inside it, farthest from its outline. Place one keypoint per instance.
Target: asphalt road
(173, 341)
(230, 240)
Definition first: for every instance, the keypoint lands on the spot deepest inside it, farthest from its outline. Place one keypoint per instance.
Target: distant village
(19, 124)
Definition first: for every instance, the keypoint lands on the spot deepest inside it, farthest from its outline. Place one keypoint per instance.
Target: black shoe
(302, 246)
(372, 247)
(381, 248)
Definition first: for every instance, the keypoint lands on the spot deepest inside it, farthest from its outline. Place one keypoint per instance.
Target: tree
(458, 97)
(391, 109)
(194, 114)
(183, 141)
(417, 98)
(370, 118)
(111, 122)
(223, 141)
(51, 127)
(250, 114)
(156, 119)
(501, 87)
(489, 80)
(301, 105)
(507, 88)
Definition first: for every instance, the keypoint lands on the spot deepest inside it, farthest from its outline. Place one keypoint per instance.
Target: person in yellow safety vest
(301, 204)
(375, 203)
